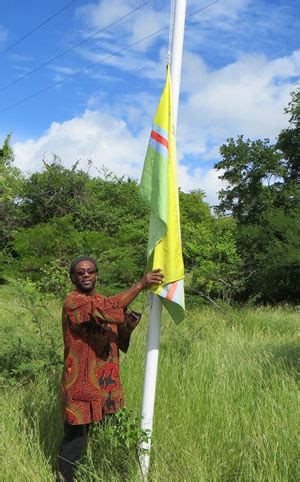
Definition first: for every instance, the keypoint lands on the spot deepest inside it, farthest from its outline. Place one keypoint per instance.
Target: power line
(37, 27)
(51, 86)
(72, 48)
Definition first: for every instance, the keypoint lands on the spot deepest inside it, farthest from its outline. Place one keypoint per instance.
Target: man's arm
(154, 277)
(80, 308)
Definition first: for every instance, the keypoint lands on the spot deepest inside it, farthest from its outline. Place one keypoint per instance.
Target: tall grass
(226, 406)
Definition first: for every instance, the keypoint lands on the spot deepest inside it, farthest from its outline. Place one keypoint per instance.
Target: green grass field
(227, 405)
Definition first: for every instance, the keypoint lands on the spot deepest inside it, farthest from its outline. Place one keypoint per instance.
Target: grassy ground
(226, 407)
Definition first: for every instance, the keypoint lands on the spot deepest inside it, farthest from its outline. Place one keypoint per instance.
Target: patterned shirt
(94, 329)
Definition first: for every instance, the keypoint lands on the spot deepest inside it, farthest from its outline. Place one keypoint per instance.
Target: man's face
(84, 276)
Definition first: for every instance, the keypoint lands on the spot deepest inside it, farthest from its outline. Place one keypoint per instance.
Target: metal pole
(150, 381)
(176, 54)
(156, 305)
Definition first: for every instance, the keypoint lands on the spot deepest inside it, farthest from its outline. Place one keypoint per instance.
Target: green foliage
(112, 203)
(29, 348)
(113, 447)
(64, 213)
(9, 174)
(47, 248)
(193, 208)
(271, 255)
(253, 172)
(289, 143)
(120, 267)
(22, 359)
(10, 187)
(54, 192)
(211, 257)
(55, 278)
(45, 251)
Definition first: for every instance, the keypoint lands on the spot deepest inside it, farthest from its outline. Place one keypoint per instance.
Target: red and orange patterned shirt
(94, 329)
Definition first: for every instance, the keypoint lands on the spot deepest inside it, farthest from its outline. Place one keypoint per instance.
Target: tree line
(247, 248)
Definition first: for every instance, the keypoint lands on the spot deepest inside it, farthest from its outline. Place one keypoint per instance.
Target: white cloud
(228, 9)
(94, 135)
(245, 97)
(97, 15)
(148, 22)
(66, 71)
(130, 21)
(113, 44)
(199, 178)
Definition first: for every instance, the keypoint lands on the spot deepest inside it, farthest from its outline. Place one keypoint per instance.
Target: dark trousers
(73, 445)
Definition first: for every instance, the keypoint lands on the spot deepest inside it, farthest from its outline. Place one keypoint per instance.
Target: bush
(25, 358)
(30, 346)
(113, 448)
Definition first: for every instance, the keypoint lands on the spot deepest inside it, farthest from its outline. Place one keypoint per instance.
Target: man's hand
(154, 277)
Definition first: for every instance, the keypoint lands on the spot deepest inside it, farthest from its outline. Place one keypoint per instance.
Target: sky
(86, 83)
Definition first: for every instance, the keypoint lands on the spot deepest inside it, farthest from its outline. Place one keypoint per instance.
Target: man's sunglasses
(81, 272)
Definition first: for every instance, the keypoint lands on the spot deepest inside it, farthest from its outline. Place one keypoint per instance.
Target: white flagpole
(150, 381)
(176, 54)
(156, 305)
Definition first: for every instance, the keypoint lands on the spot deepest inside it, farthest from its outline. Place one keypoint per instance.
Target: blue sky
(241, 61)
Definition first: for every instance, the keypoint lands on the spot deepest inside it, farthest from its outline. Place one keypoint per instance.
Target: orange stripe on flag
(171, 291)
(162, 140)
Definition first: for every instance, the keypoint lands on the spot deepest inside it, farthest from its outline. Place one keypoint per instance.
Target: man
(94, 328)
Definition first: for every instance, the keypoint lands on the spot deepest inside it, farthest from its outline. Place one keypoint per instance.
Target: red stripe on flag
(171, 291)
(162, 140)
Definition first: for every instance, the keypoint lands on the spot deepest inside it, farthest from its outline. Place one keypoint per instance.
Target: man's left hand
(154, 277)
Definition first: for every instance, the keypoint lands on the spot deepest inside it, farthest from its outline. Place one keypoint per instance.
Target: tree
(271, 257)
(262, 195)
(209, 249)
(254, 173)
(288, 143)
(10, 187)
(289, 140)
(55, 191)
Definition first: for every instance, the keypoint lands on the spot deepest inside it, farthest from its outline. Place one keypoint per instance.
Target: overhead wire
(104, 59)
(37, 27)
(28, 74)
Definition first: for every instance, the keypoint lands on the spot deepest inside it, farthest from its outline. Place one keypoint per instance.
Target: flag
(159, 188)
